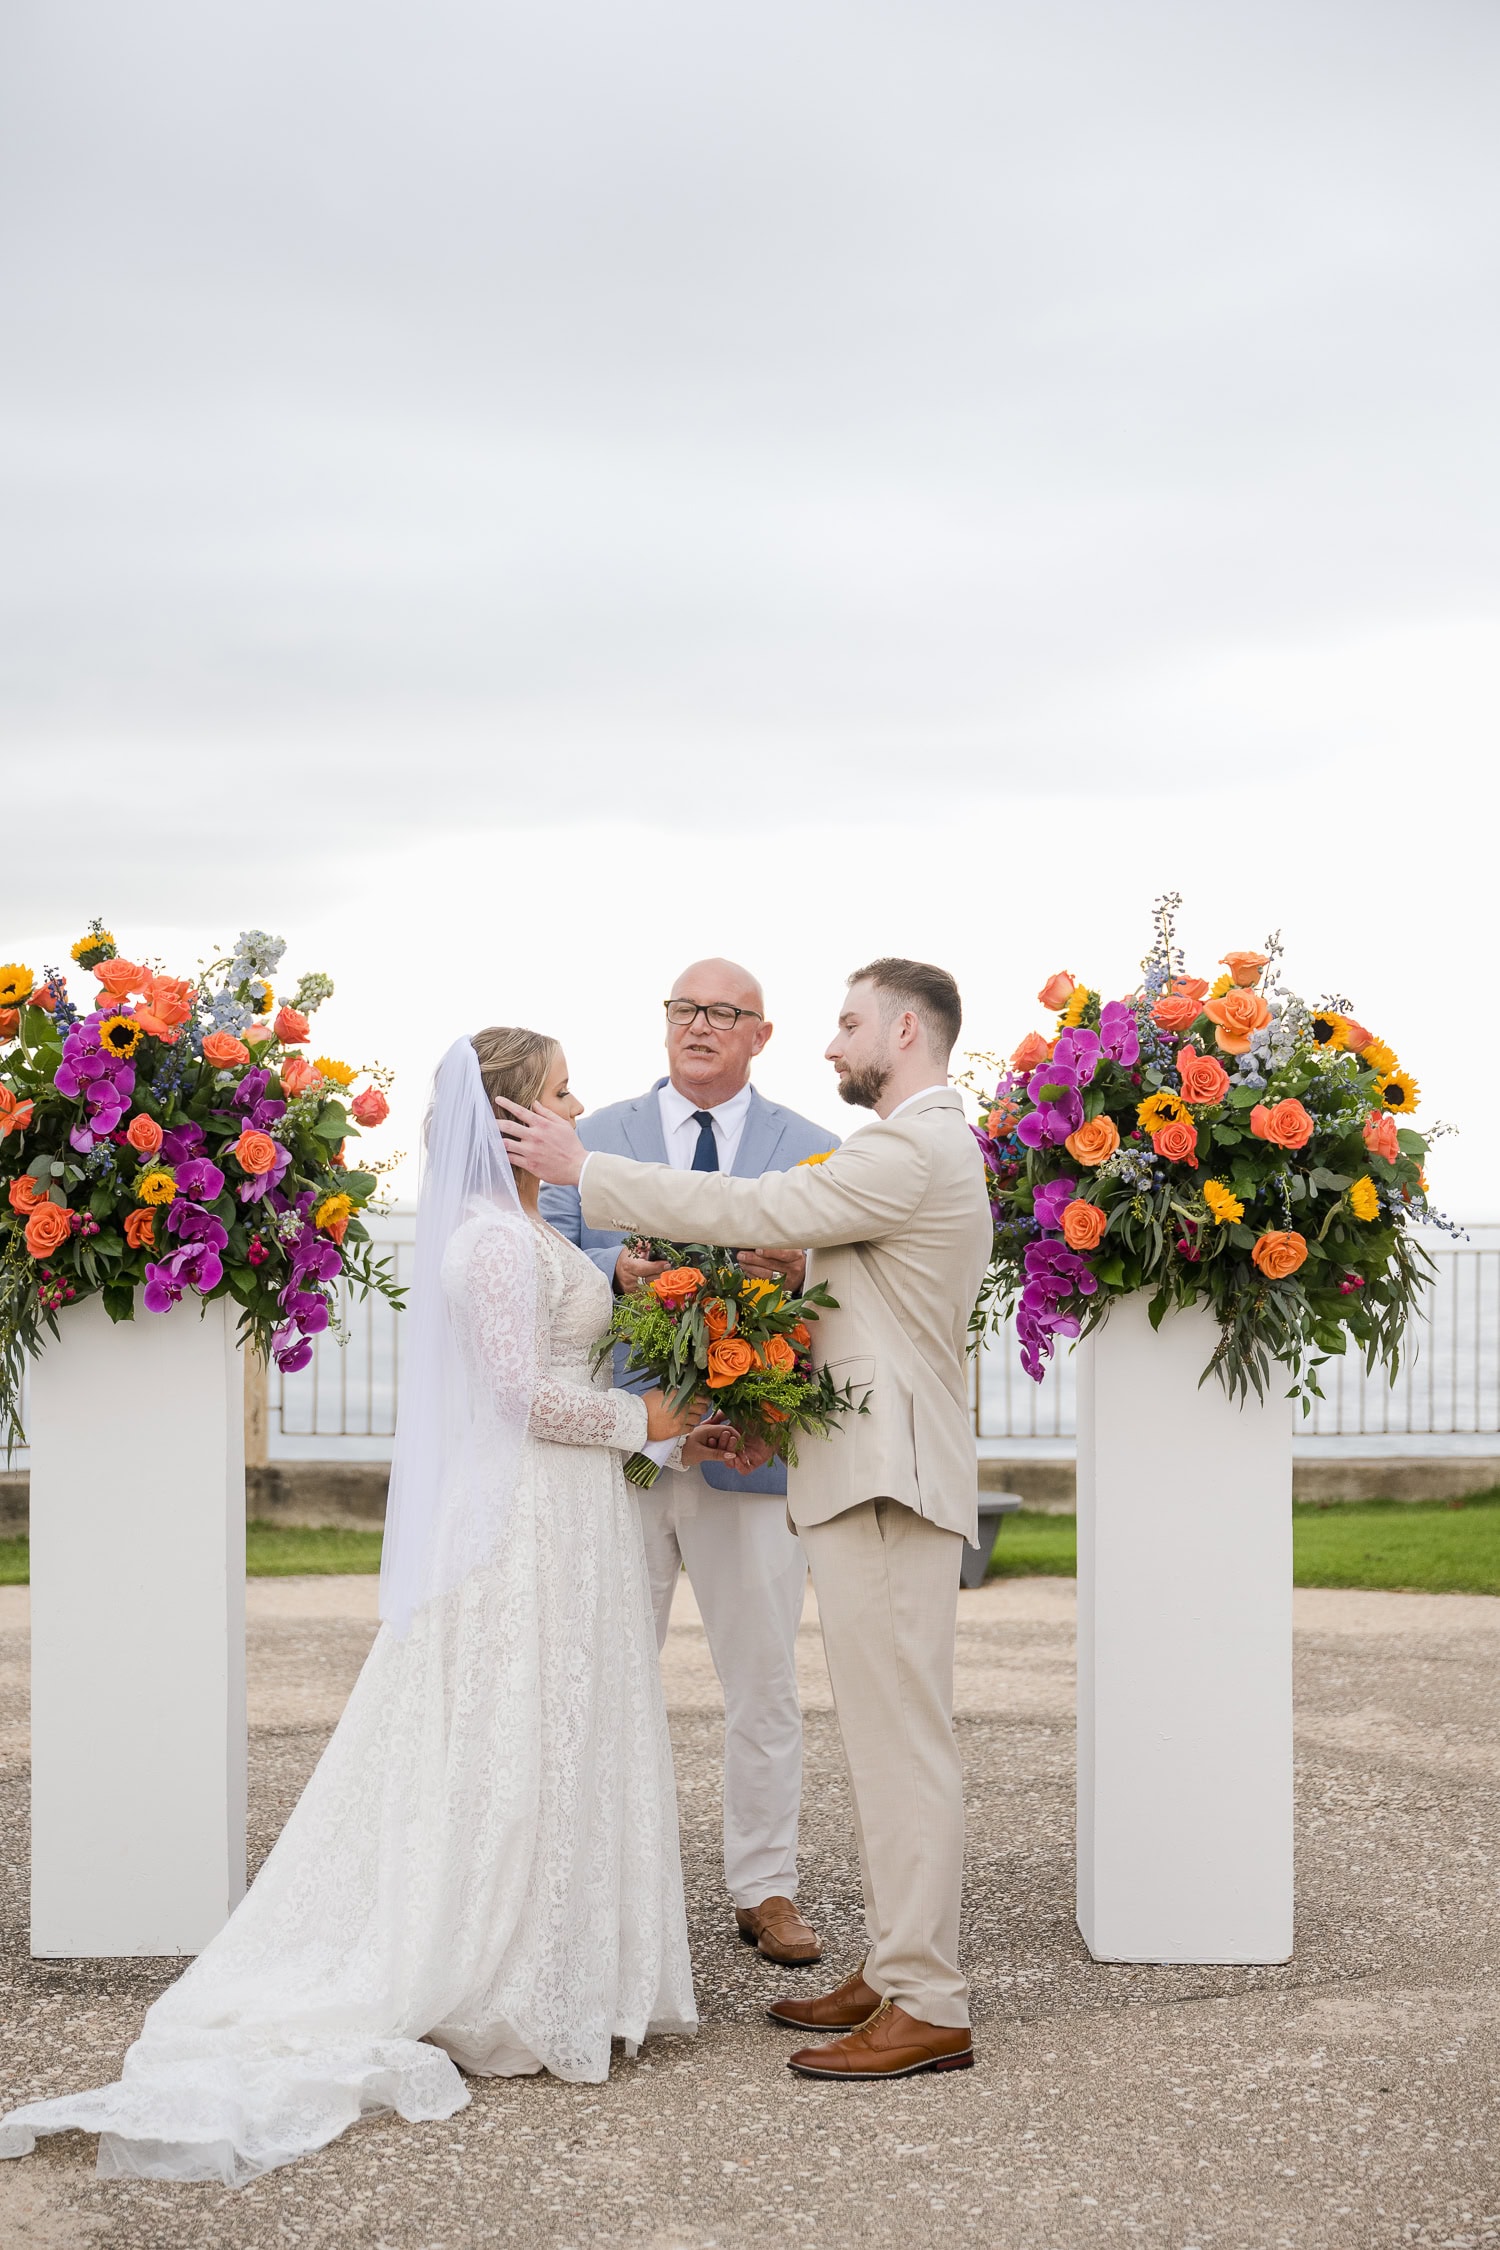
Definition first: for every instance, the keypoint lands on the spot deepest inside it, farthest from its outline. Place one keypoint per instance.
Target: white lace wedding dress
(484, 1867)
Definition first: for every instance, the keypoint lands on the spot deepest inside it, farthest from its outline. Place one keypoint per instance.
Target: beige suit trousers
(887, 1586)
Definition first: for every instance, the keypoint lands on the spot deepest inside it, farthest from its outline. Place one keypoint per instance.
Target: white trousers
(749, 1574)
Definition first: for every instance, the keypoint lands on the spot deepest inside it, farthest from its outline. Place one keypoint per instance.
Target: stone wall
(353, 1492)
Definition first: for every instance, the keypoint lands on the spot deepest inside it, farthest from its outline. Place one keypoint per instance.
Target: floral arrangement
(164, 1136)
(707, 1329)
(1221, 1141)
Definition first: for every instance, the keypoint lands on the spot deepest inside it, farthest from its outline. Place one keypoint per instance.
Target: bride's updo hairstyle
(513, 1062)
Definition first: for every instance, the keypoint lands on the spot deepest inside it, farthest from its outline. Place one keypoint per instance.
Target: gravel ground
(1344, 2101)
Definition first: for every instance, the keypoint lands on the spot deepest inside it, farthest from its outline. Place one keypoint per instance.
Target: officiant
(729, 1532)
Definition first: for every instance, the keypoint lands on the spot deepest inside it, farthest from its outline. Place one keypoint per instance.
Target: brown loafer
(844, 2010)
(891, 2045)
(780, 1932)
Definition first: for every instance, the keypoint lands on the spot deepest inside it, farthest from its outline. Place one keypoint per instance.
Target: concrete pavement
(1344, 2101)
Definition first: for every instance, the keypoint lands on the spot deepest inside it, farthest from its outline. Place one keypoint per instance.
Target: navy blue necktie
(706, 1154)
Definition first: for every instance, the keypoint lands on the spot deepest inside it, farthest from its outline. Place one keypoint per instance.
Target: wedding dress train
(483, 1870)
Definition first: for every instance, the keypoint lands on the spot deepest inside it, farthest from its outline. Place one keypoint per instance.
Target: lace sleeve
(562, 1412)
(574, 1414)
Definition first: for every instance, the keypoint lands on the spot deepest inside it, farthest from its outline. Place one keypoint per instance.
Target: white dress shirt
(941, 1087)
(679, 1127)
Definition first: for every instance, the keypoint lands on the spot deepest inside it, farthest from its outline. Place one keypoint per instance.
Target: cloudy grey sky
(500, 492)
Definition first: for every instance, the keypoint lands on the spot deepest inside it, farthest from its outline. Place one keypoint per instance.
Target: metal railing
(344, 1403)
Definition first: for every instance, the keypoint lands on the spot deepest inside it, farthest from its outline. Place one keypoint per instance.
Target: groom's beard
(863, 1088)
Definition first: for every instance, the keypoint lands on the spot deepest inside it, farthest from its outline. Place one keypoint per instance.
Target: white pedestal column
(138, 1632)
(1184, 1651)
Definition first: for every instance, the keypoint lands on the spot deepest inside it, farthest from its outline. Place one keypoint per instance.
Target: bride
(483, 1871)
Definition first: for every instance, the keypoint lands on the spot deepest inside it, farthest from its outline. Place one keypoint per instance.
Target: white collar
(727, 1114)
(921, 1096)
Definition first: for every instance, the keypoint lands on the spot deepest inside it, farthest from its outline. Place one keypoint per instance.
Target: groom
(899, 1225)
(728, 1530)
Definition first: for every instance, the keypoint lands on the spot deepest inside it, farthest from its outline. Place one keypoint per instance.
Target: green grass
(1421, 1546)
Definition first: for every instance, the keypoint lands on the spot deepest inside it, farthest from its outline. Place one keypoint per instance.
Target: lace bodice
(569, 1405)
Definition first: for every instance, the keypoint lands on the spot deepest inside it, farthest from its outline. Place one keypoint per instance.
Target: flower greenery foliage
(705, 1328)
(1220, 1142)
(165, 1140)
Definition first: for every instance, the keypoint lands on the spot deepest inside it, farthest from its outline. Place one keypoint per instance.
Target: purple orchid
(1059, 1106)
(181, 1142)
(249, 1090)
(191, 1224)
(1078, 1050)
(306, 1309)
(1050, 1202)
(290, 1350)
(1053, 1275)
(1118, 1033)
(199, 1180)
(163, 1290)
(103, 1082)
(197, 1266)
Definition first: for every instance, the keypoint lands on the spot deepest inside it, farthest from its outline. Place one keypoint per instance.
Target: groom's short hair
(930, 993)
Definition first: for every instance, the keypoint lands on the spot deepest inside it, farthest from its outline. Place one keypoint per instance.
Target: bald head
(710, 1062)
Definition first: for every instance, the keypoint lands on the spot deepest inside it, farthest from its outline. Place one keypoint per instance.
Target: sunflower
(95, 946)
(1364, 1199)
(15, 984)
(333, 1211)
(1160, 1109)
(1378, 1056)
(821, 1157)
(1075, 1004)
(1398, 1090)
(156, 1186)
(1224, 1204)
(1328, 1029)
(338, 1072)
(1220, 986)
(119, 1036)
(261, 996)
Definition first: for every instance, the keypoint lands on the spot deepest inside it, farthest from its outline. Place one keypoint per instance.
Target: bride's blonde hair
(513, 1062)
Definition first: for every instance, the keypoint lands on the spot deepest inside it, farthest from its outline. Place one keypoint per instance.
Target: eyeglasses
(718, 1013)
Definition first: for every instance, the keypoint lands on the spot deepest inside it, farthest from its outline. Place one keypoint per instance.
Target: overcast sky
(516, 497)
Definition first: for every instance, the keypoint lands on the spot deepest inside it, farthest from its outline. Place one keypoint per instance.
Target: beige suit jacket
(899, 1227)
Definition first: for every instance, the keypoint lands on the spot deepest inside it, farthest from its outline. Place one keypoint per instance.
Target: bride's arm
(500, 1285)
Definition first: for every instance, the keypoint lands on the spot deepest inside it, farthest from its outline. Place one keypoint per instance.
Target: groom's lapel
(641, 1126)
(763, 1129)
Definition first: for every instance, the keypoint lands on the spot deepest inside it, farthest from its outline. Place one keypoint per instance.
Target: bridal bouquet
(163, 1136)
(1222, 1141)
(705, 1328)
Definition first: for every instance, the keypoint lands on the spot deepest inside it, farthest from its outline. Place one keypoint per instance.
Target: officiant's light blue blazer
(773, 1140)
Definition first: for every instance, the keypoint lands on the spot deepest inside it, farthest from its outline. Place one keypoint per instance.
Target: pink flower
(370, 1107)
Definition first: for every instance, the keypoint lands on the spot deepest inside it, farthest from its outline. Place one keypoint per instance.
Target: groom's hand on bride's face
(541, 1142)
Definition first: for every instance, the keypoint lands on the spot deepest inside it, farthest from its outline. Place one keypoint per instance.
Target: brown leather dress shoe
(844, 2010)
(780, 1932)
(891, 2045)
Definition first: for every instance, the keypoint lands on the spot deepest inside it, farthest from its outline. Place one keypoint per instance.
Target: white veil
(463, 1411)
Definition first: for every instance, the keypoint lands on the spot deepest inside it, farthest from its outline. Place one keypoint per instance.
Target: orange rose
(1083, 1225)
(144, 1135)
(678, 1283)
(1189, 988)
(1356, 1035)
(10, 1022)
(370, 1108)
(1245, 968)
(14, 1116)
(140, 1229)
(45, 997)
(716, 1318)
(221, 1048)
(1055, 992)
(1200, 1077)
(1177, 1142)
(773, 1413)
(1380, 1135)
(291, 1028)
(777, 1354)
(255, 1152)
(257, 1033)
(120, 978)
(1277, 1255)
(1286, 1126)
(47, 1229)
(1033, 1049)
(1176, 1012)
(1237, 1015)
(25, 1195)
(297, 1074)
(802, 1336)
(1093, 1143)
(728, 1359)
(168, 1002)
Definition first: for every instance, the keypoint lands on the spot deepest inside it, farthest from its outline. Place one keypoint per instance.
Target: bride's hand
(664, 1422)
